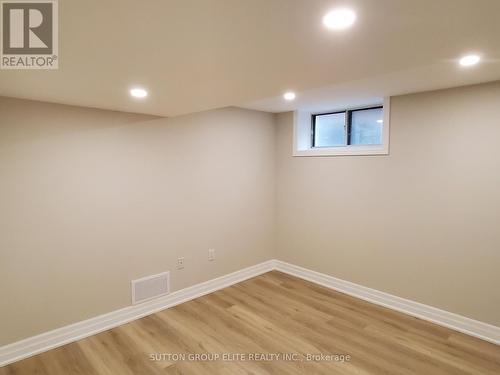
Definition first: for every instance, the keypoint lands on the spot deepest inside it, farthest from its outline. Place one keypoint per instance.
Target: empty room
(250, 187)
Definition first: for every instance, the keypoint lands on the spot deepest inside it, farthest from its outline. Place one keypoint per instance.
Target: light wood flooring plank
(272, 313)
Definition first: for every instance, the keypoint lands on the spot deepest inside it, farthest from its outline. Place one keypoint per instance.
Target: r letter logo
(29, 34)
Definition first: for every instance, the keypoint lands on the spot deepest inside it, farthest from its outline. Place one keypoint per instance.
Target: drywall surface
(421, 223)
(91, 199)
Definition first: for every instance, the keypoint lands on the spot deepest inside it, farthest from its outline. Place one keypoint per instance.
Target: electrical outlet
(211, 254)
(180, 263)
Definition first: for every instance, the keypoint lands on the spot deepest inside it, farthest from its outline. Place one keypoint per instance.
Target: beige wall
(91, 199)
(422, 223)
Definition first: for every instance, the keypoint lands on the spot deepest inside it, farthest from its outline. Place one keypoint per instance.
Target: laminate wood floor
(278, 315)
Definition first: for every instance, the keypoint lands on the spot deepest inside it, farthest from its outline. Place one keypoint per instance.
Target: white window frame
(302, 140)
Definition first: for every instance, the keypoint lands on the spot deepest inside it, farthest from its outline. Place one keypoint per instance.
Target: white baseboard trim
(443, 318)
(37, 344)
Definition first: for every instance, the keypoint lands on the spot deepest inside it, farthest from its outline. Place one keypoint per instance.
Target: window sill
(344, 151)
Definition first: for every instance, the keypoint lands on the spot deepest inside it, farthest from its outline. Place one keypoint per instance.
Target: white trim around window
(302, 140)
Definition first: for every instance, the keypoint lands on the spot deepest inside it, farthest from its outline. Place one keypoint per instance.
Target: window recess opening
(355, 131)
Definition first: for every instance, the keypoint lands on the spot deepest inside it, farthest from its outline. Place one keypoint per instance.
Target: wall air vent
(150, 287)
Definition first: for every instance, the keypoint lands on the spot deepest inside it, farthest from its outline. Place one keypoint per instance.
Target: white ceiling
(194, 55)
(372, 90)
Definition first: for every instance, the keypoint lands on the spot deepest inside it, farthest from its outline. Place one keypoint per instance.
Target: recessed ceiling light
(339, 19)
(289, 95)
(138, 92)
(380, 121)
(470, 60)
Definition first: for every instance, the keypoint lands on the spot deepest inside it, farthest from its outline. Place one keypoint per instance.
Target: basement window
(346, 128)
(357, 131)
